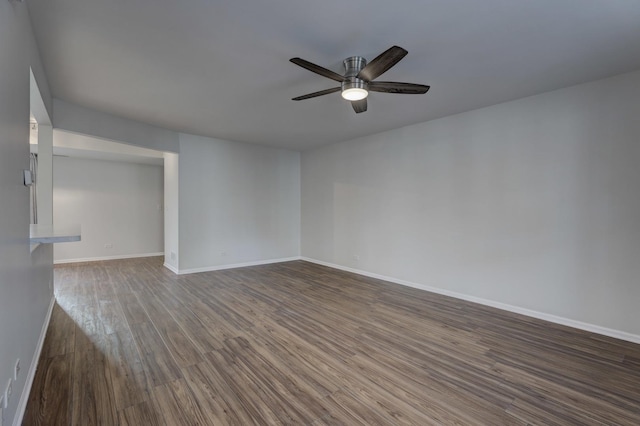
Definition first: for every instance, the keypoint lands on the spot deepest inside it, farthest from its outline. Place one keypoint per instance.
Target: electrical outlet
(356, 257)
(108, 246)
(224, 253)
(16, 370)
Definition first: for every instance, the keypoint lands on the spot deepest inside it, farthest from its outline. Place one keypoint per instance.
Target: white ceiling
(221, 69)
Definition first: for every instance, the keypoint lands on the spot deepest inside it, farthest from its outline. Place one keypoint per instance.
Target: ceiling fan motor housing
(352, 67)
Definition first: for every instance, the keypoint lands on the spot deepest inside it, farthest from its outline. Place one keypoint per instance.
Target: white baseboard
(622, 335)
(24, 398)
(233, 265)
(171, 268)
(96, 259)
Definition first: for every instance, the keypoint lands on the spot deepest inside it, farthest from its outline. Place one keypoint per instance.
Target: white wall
(115, 203)
(44, 175)
(76, 119)
(25, 294)
(171, 211)
(84, 146)
(239, 203)
(532, 203)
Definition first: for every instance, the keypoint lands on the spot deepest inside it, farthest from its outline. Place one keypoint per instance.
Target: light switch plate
(28, 178)
(16, 370)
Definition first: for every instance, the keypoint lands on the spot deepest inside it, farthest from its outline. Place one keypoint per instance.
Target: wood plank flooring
(130, 343)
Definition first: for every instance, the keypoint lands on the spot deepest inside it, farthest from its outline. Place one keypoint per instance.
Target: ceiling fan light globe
(354, 88)
(354, 94)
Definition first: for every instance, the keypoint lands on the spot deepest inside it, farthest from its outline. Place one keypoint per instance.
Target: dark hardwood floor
(130, 343)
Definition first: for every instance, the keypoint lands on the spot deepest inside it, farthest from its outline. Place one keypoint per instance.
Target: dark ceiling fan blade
(316, 94)
(317, 69)
(394, 87)
(382, 63)
(359, 106)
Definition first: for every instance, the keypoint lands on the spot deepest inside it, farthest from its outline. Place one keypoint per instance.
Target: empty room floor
(131, 343)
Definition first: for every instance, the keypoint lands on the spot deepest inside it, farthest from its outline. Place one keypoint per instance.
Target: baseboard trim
(234, 265)
(116, 257)
(617, 334)
(31, 374)
(171, 268)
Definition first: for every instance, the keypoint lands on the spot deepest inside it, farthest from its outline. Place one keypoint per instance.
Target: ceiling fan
(358, 78)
